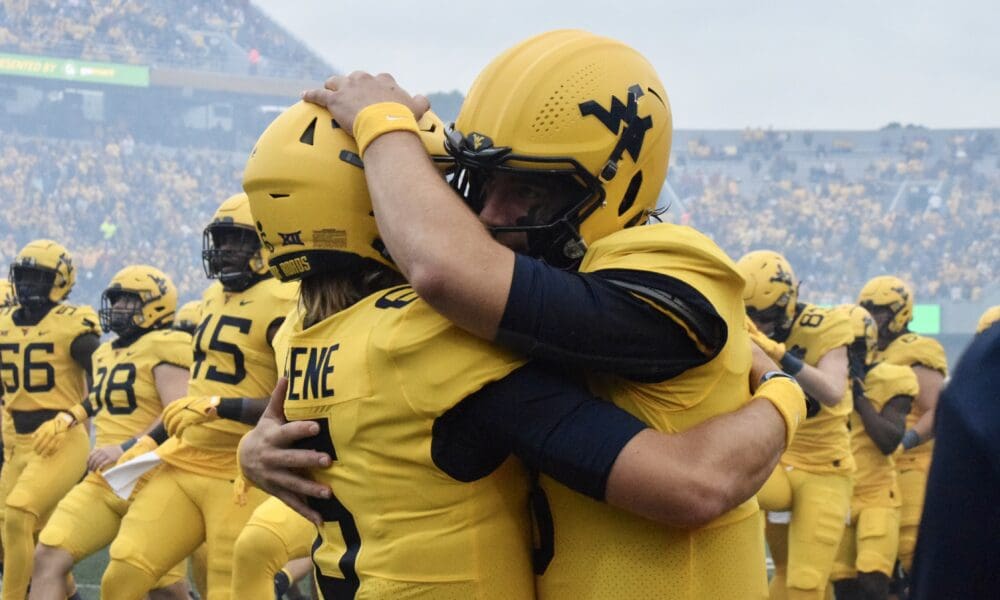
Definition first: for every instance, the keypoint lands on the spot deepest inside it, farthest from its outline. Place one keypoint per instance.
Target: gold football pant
(33, 485)
(869, 543)
(820, 506)
(9, 439)
(168, 520)
(87, 519)
(912, 487)
(274, 535)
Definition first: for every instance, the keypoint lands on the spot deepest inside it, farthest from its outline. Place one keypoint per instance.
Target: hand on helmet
(346, 95)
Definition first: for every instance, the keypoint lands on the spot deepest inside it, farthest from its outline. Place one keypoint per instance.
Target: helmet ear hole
(310, 133)
(630, 194)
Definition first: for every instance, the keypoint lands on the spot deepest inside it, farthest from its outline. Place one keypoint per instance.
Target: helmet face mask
(531, 211)
(121, 312)
(228, 252)
(32, 285)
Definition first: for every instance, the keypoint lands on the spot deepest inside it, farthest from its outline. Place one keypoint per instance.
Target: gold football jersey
(875, 477)
(124, 390)
(36, 367)
(822, 443)
(375, 377)
(912, 349)
(232, 359)
(604, 552)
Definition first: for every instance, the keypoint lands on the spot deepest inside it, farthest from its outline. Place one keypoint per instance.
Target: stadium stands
(230, 36)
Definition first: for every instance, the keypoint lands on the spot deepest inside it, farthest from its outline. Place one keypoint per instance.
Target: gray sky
(843, 64)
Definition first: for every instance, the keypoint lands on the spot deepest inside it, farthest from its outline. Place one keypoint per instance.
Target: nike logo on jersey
(245, 302)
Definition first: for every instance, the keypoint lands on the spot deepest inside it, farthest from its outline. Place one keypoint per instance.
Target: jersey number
(109, 382)
(35, 373)
(811, 320)
(215, 344)
(332, 511)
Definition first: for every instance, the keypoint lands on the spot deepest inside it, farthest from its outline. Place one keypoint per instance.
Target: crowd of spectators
(930, 217)
(114, 201)
(222, 35)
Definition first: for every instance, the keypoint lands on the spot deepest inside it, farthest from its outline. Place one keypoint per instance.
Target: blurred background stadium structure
(124, 124)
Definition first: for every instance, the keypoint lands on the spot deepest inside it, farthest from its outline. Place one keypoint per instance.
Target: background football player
(189, 499)
(882, 395)
(45, 358)
(890, 301)
(135, 376)
(814, 478)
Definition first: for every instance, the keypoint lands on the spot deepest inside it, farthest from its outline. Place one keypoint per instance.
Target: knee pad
(804, 577)
(122, 578)
(261, 547)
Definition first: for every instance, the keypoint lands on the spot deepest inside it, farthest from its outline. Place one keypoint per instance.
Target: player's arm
(827, 381)
(931, 382)
(556, 426)
(82, 349)
(884, 427)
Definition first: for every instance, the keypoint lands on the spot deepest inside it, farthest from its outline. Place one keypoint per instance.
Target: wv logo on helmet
(634, 132)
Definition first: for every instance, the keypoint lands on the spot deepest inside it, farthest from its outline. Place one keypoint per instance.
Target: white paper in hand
(122, 478)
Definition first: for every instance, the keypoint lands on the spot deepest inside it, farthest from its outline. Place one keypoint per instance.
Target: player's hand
(49, 437)
(187, 411)
(104, 456)
(140, 447)
(268, 460)
(776, 350)
(346, 95)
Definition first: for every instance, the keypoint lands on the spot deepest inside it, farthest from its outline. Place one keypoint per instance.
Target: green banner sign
(73, 70)
(926, 319)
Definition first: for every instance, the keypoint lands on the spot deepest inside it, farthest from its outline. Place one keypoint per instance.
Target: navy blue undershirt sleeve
(553, 423)
(609, 321)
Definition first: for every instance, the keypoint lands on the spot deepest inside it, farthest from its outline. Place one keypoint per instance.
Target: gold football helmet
(586, 111)
(991, 316)
(7, 297)
(891, 294)
(42, 272)
(231, 251)
(188, 316)
(308, 194)
(153, 300)
(771, 290)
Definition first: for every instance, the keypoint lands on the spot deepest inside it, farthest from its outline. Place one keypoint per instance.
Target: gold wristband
(788, 399)
(377, 119)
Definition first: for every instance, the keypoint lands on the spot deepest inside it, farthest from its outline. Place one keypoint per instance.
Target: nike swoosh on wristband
(393, 118)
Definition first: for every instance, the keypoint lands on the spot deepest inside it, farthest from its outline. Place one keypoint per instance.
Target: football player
(733, 388)
(188, 499)
(890, 301)
(45, 358)
(882, 395)
(135, 376)
(810, 343)
(188, 316)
